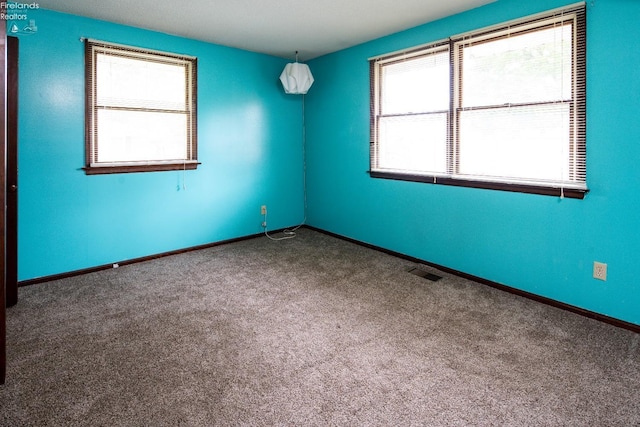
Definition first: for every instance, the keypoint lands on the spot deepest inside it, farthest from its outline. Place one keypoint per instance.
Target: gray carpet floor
(308, 331)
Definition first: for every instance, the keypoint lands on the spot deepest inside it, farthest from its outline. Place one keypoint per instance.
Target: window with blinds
(141, 110)
(501, 108)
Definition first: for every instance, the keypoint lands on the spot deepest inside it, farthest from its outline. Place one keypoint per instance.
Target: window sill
(571, 193)
(131, 168)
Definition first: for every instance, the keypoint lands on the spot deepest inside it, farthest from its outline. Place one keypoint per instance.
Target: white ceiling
(275, 27)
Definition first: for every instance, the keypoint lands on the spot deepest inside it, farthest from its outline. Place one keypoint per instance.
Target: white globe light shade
(296, 78)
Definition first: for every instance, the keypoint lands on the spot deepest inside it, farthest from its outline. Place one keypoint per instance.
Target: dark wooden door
(11, 219)
(3, 146)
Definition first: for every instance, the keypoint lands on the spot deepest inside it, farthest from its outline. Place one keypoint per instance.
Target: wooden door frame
(3, 193)
(11, 173)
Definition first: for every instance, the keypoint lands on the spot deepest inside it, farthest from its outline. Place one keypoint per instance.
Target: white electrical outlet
(599, 270)
(263, 210)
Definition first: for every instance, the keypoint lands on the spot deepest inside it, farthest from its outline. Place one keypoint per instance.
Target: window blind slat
(516, 106)
(141, 108)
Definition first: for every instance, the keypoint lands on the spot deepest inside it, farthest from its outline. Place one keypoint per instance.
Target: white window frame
(188, 110)
(573, 183)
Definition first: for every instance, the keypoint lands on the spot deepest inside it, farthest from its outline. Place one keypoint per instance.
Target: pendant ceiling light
(296, 78)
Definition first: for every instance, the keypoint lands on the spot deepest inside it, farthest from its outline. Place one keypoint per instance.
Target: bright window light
(141, 110)
(500, 108)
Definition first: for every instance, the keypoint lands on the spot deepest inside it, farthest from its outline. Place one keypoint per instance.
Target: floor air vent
(425, 274)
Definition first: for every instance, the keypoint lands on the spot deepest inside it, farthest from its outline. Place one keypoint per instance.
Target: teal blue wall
(539, 244)
(251, 154)
(249, 144)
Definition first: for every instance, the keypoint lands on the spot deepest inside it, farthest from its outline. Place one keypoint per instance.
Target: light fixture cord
(290, 233)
